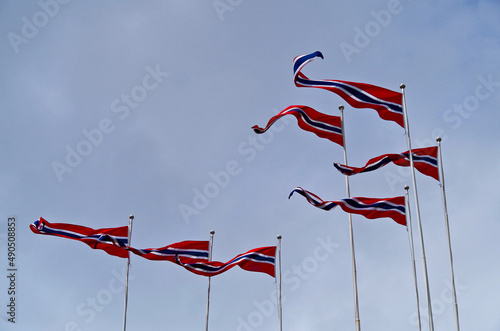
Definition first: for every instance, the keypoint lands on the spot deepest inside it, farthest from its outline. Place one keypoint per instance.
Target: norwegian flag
(388, 104)
(113, 241)
(424, 160)
(308, 119)
(259, 260)
(191, 251)
(368, 207)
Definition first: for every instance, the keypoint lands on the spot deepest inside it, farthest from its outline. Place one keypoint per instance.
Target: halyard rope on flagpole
(208, 291)
(280, 307)
(412, 250)
(424, 262)
(131, 218)
(441, 182)
(353, 255)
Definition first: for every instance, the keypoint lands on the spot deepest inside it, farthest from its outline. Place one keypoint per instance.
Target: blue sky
(114, 108)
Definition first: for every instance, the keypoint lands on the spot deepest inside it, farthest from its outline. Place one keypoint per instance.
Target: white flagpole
(441, 177)
(280, 311)
(410, 236)
(208, 294)
(131, 218)
(417, 207)
(353, 255)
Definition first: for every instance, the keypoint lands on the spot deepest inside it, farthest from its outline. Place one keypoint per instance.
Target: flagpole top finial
(438, 139)
(131, 217)
(279, 237)
(402, 86)
(212, 232)
(341, 107)
(407, 187)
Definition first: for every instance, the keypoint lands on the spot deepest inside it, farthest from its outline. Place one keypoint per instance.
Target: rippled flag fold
(113, 241)
(309, 119)
(371, 208)
(424, 160)
(190, 251)
(259, 260)
(388, 103)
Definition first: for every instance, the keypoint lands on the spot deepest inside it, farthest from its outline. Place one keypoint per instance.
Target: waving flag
(424, 160)
(258, 259)
(189, 250)
(308, 119)
(369, 207)
(113, 241)
(387, 103)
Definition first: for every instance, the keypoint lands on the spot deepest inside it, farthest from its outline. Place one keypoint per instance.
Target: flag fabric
(388, 103)
(113, 241)
(190, 251)
(424, 160)
(369, 207)
(308, 119)
(259, 260)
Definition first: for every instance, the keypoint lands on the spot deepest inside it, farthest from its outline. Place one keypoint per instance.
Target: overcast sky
(113, 108)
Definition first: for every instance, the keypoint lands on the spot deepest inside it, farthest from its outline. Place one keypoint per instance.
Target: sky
(113, 108)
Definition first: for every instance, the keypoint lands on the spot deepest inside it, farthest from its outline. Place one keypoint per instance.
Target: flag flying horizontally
(369, 207)
(388, 104)
(424, 160)
(113, 241)
(308, 119)
(190, 251)
(258, 259)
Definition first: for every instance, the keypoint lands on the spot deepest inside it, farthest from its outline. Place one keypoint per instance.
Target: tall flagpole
(410, 237)
(280, 311)
(353, 255)
(131, 218)
(441, 177)
(424, 262)
(208, 291)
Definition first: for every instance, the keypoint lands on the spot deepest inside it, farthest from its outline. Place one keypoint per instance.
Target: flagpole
(441, 177)
(208, 294)
(410, 237)
(131, 218)
(353, 255)
(280, 312)
(417, 207)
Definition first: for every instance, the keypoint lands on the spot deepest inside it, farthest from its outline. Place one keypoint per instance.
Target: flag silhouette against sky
(424, 159)
(369, 207)
(324, 126)
(111, 240)
(389, 104)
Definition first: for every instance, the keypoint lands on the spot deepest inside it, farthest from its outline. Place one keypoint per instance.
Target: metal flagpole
(441, 177)
(131, 218)
(208, 294)
(280, 313)
(424, 263)
(410, 236)
(348, 192)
